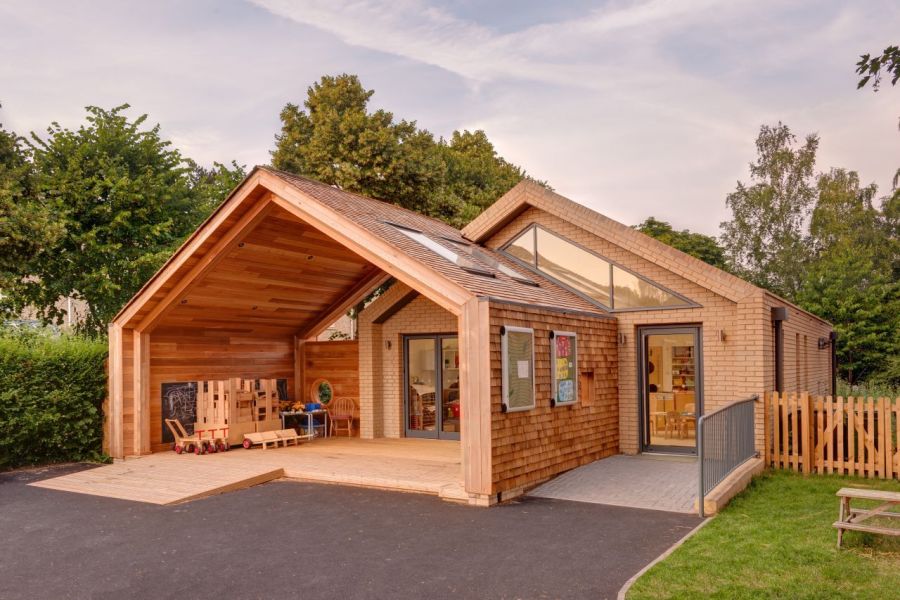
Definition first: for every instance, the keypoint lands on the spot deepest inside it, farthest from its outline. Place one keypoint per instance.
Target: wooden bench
(853, 519)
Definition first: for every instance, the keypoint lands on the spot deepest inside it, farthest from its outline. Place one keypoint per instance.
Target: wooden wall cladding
(183, 354)
(336, 361)
(531, 446)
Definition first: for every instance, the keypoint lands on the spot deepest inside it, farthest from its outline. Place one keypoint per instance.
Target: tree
(850, 278)
(475, 175)
(211, 186)
(704, 247)
(124, 200)
(27, 228)
(337, 140)
(765, 239)
(870, 67)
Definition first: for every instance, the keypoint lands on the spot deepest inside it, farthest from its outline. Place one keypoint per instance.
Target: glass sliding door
(431, 395)
(671, 398)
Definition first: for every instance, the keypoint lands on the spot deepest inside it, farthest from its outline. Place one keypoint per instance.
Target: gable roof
(361, 224)
(376, 217)
(530, 194)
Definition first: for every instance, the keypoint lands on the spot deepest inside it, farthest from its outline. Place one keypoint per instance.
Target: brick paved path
(645, 481)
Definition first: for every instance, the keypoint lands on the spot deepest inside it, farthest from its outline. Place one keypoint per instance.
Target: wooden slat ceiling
(279, 280)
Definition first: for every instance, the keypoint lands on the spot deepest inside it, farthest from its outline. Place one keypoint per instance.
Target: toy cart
(185, 442)
(211, 440)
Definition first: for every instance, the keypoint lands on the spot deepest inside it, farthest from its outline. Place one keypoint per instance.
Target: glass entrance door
(671, 388)
(431, 397)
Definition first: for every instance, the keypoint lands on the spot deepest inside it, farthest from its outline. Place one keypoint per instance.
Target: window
(630, 291)
(573, 266)
(483, 257)
(441, 250)
(563, 367)
(589, 274)
(523, 246)
(467, 257)
(517, 352)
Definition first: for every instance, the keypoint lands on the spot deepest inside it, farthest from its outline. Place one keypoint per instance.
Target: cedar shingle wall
(531, 446)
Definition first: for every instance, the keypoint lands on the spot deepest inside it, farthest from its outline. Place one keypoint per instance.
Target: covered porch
(246, 298)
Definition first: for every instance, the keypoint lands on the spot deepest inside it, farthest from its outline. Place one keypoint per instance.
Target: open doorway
(671, 388)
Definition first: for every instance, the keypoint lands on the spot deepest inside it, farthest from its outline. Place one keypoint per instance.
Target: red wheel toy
(198, 449)
(223, 447)
(247, 444)
(211, 447)
(178, 449)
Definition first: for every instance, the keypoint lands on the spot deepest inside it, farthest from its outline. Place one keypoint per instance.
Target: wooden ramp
(410, 465)
(164, 478)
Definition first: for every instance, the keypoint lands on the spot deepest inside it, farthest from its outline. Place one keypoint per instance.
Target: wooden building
(539, 338)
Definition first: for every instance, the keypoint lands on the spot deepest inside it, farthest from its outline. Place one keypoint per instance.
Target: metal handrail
(731, 443)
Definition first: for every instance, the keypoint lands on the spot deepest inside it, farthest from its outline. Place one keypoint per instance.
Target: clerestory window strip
(592, 276)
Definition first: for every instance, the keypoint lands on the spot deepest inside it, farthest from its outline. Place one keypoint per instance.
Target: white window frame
(553, 381)
(504, 358)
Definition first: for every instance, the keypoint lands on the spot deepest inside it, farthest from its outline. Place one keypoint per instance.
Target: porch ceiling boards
(281, 278)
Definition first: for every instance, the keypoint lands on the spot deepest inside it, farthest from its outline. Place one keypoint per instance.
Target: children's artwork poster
(564, 370)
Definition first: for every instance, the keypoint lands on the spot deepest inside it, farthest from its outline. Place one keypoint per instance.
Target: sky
(631, 107)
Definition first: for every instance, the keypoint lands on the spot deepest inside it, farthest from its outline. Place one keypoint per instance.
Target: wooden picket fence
(821, 434)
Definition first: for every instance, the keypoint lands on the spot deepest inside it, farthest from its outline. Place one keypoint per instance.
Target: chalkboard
(179, 401)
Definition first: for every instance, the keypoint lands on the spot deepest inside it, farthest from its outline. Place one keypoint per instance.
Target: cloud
(633, 107)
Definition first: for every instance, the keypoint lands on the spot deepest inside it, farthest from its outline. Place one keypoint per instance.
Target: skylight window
(480, 255)
(591, 275)
(465, 263)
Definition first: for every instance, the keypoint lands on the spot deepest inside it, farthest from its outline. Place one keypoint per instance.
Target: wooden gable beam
(443, 292)
(348, 300)
(241, 229)
(187, 249)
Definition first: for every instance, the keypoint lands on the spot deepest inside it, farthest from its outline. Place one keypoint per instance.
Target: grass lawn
(775, 540)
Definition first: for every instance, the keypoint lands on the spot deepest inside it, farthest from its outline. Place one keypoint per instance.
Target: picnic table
(855, 519)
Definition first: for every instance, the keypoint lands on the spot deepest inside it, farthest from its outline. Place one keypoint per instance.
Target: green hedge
(51, 395)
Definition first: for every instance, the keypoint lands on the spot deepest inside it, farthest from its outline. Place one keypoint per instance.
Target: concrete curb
(624, 590)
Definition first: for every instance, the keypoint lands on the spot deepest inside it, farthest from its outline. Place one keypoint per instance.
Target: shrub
(51, 395)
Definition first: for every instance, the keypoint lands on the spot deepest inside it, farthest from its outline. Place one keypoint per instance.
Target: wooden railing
(821, 434)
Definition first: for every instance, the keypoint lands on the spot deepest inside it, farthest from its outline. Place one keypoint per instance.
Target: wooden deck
(410, 465)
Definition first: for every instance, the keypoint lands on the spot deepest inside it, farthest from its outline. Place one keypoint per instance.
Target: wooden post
(116, 394)
(828, 447)
(767, 406)
(776, 430)
(299, 368)
(141, 393)
(785, 432)
(795, 433)
(839, 426)
(851, 436)
(870, 437)
(887, 434)
(475, 396)
(806, 432)
(880, 446)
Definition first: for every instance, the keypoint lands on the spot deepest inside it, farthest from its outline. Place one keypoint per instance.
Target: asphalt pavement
(290, 539)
